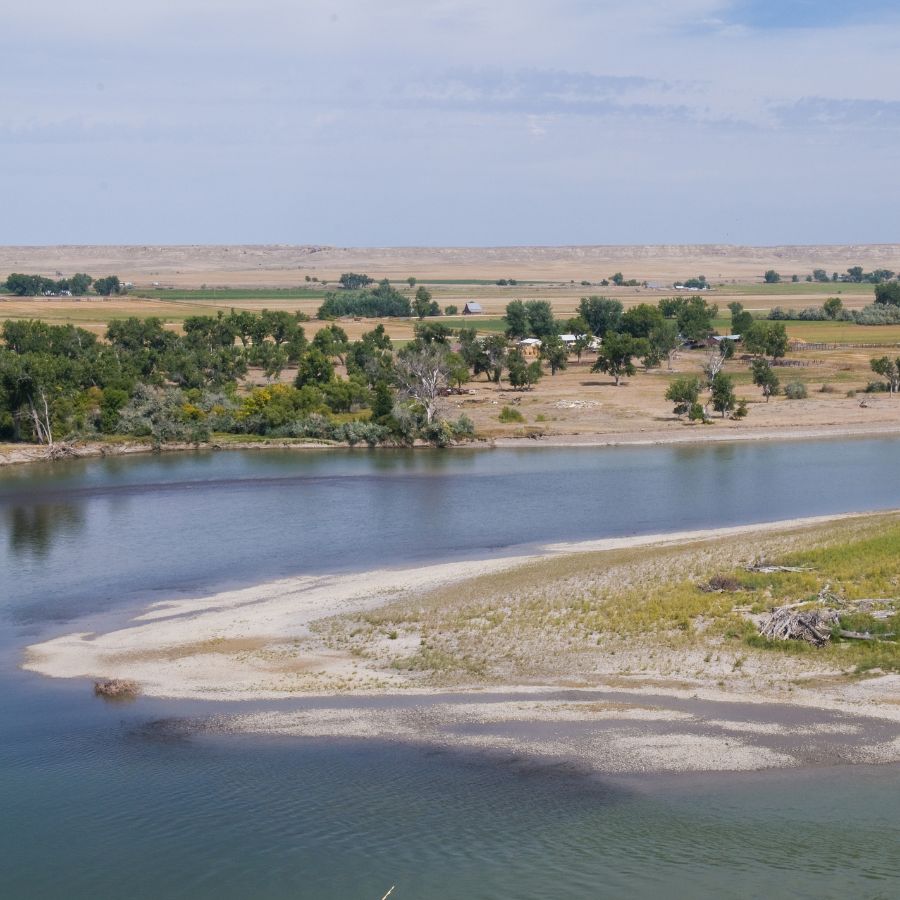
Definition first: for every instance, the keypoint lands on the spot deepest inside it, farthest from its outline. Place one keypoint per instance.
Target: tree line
(76, 285)
(853, 275)
(144, 380)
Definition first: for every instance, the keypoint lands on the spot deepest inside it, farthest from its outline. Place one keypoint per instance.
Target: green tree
(382, 401)
(352, 281)
(109, 285)
(741, 320)
(684, 392)
(695, 318)
(457, 370)
(616, 353)
(664, 341)
(888, 368)
(888, 294)
(601, 313)
(723, 396)
(764, 377)
(495, 350)
(766, 338)
(79, 284)
(522, 375)
(771, 277)
(555, 352)
(833, 307)
(433, 333)
(333, 342)
(541, 321)
(516, 320)
(411, 281)
(640, 320)
(314, 368)
(422, 305)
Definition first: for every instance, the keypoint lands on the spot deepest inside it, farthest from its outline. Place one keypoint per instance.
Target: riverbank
(524, 627)
(19, 454)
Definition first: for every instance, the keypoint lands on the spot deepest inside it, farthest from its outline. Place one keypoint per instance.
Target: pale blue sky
(429, 122)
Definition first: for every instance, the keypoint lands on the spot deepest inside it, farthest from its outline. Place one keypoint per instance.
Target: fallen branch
(864, 635)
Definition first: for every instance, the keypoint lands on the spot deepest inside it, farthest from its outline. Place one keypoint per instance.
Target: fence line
(818, 346)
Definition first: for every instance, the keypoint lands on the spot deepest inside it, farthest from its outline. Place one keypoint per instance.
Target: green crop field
(492, 325)
(815, 289)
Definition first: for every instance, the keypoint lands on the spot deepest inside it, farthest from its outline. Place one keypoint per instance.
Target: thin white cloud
(334, 99)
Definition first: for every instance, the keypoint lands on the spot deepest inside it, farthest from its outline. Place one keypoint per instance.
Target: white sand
(253, 643)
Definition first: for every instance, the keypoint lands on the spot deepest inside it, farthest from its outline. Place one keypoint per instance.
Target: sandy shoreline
(258, 644)
(21, 454)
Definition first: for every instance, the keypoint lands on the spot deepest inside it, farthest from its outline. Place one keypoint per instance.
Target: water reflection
(33, 529)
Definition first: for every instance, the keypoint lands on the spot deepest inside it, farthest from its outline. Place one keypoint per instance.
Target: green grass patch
(486, 325)
(509, 414)
(801, 288)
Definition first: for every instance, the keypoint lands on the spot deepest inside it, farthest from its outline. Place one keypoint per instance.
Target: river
(103, 800)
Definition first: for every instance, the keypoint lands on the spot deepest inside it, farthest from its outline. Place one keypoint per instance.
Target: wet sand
(252, 646)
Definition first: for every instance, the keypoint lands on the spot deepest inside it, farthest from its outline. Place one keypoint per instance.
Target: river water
(101, 800)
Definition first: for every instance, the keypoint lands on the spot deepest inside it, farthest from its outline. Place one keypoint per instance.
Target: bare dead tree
(424, 375)
(715, 362)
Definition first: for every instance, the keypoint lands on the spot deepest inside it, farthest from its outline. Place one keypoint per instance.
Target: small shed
(471, 308)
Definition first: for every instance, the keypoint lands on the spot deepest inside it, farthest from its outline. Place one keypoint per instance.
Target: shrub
(463, 428)
(795, 390)
(159, 413)
(508, 414)
(697, 413)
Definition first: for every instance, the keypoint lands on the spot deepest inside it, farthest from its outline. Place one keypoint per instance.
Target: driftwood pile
(816, 626)
(789, 624)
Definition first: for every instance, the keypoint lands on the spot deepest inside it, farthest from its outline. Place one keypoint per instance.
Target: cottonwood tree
(741, 320)
(495, 350)
(684, 392)
(723, 397)
(764, 377)
(555, 352)
(616, 353)
(766, 338)
(522, 374)
(354, 280)
(601, 313)
(424, 305)
(663, 342)
(423, 374)
(640, 320)
(890, 369)
(108, 285)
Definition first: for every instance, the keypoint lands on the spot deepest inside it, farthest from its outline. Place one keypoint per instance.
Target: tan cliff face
(280, 264)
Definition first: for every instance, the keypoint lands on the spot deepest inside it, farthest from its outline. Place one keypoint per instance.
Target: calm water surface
(99, 801)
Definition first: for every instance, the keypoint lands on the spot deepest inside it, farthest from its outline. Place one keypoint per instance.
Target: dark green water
(108, 801)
